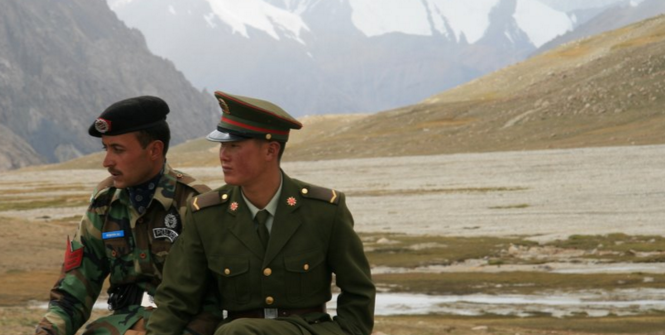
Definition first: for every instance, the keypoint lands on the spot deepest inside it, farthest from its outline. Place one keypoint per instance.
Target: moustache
(113, 171)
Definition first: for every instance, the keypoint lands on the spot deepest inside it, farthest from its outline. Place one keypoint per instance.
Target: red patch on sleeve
(73, 258)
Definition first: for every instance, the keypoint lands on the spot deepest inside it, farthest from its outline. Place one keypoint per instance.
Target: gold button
(179, 175)
(267, 272)
(304, 191)
(306, 267)
(225, 196)
(268, 136)
(227, 271)
(270, 300)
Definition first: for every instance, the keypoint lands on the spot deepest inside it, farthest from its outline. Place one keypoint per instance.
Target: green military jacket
(114, 241)
(312, 238)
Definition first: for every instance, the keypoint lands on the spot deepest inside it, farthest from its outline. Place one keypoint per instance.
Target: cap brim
(218, 136)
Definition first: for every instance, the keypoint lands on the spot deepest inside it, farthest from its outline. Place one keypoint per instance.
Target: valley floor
(536, 196)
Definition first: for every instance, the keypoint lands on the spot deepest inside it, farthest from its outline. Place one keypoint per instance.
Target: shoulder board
(104, 184)
(103, 187)
(208, 199)
(320, 193)
(191, 182)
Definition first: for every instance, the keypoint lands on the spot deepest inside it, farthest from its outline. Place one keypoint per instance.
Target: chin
(230, 181)
(119, 185)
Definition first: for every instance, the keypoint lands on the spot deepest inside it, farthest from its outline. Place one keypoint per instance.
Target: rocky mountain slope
(62, 63)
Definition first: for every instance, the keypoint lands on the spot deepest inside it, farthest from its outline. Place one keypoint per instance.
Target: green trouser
(311, 324)
(123, 320)
(117, 323)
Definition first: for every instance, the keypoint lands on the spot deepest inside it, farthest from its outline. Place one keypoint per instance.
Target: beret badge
(224, 106)
(102, 126)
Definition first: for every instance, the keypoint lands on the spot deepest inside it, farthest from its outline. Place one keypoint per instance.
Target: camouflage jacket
(114, 241)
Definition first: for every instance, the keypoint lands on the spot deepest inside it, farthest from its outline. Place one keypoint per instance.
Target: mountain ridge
(62, 65)
(606, 90)
(322, 57)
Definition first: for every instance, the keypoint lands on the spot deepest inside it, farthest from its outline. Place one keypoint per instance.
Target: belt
(271, 313)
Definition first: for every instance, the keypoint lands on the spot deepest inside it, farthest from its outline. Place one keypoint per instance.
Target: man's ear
(156, 149)
(273, 149)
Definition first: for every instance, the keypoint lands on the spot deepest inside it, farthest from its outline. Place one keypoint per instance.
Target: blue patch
(113, 234)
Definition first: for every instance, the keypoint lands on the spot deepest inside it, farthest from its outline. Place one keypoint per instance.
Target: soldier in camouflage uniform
(133, 218)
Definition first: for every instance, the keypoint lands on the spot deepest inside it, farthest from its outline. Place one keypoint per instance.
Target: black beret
(130, 115)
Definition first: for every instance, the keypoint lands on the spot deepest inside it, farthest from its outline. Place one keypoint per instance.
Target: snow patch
(530, 15)
(375, 18)
(470, 18)
(417, 17)
(259, 15)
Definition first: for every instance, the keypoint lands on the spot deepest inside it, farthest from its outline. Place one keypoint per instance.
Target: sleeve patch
(73, 258)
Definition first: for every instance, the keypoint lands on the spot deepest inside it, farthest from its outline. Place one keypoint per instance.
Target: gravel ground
(542, 194)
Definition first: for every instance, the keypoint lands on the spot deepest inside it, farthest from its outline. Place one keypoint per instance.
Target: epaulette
(191, 182)
(102, 186)
(209, 199)
(320, 193)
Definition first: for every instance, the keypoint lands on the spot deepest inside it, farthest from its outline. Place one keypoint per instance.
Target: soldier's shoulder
(210, 199)
(320, 193)
(189, 181)
(104, 188)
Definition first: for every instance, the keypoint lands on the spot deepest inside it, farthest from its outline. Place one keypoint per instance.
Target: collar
(272, 204)
(141, 195)
(163, 192)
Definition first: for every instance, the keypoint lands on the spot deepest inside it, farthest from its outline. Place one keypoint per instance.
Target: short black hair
(159, 132)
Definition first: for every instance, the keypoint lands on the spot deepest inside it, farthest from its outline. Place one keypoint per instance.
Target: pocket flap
(304, 262)
(229, 267)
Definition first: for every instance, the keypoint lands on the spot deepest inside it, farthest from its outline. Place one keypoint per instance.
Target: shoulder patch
(320, 193)
(209, 199)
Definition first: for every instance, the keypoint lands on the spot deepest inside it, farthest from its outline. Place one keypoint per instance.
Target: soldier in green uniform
(269, 243)
(133, 218)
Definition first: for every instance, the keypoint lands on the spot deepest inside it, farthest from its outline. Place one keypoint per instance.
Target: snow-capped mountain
(341, 56)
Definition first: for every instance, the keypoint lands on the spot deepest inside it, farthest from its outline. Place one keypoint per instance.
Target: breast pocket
(306, 274)
(232, 277)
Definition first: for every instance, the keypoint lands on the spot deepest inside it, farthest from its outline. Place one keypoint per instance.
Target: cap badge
(234, 206)
(225, 107)
(102, 126)
(291, 201)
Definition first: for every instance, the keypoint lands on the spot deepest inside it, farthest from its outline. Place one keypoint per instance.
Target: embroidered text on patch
(165, 233)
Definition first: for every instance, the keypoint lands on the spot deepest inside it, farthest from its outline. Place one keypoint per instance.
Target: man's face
(127, 161)
(243, 162)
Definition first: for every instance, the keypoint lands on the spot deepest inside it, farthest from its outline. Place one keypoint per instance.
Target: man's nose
(108, 161)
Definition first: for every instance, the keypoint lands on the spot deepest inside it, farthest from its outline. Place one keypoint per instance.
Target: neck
(261, 192)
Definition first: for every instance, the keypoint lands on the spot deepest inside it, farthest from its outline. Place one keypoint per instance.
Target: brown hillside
(603, 91)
